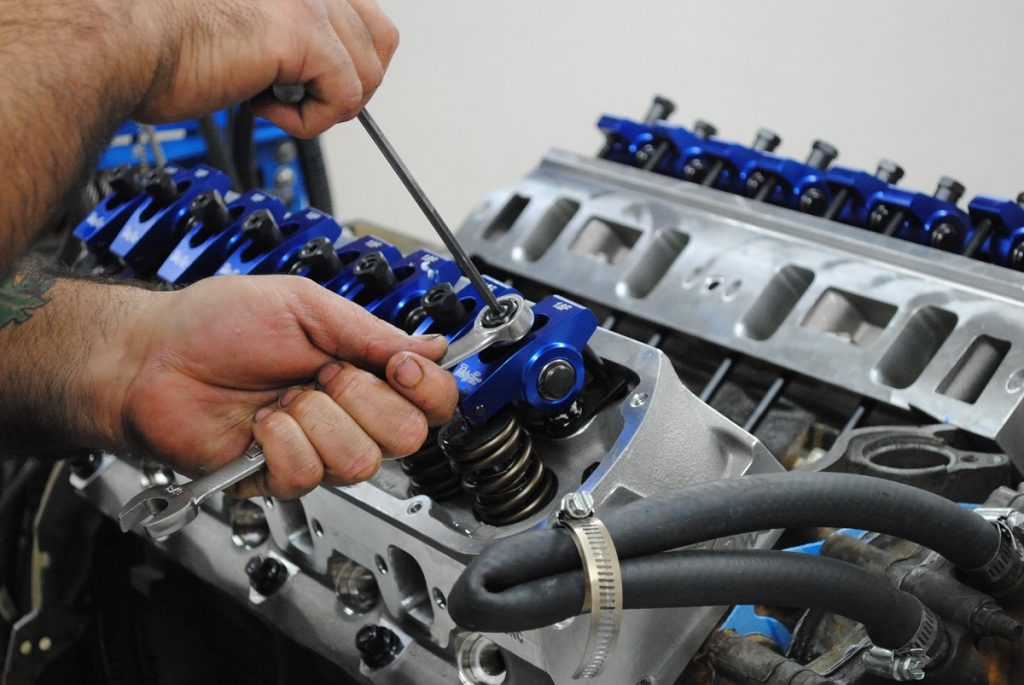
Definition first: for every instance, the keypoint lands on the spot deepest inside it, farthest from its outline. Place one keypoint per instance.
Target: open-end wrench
(165, 509)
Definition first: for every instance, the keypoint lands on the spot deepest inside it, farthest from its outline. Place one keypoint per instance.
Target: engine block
(719, 311)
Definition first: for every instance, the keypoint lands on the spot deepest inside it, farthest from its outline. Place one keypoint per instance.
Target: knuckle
(348, 384)
(306, 405)
(412, 435)
(389, 39)
(364, 463)
(305, 476)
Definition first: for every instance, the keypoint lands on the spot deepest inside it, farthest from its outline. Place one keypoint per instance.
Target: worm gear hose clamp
(603, 578)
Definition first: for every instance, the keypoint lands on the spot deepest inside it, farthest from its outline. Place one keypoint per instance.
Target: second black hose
(701, 578)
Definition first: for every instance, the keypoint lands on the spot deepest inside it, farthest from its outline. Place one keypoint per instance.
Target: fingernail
(287, 398)
(328, 372)
(408, 373)
(432, 336)
(262, 413)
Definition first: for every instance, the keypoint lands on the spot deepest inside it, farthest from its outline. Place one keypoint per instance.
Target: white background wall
(479, 90)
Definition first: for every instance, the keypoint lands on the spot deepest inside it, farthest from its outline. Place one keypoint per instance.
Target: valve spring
(499, 468)
(430, 473)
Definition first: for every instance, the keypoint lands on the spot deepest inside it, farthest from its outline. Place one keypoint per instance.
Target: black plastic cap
(374, 272)
(377, 645)
(704, 129)
(161, 186)
(767, 140)
(262, 229)
(949, 190)
(889, 171)
(124, 182)
(209, 208)
(822, 154)
(442, 303)
(661, 108)
(319, 259)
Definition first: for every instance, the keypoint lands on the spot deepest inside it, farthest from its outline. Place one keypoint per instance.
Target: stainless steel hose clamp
(603, 578)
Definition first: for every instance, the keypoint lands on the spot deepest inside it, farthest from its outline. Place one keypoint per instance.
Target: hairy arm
(65, 344)
(191, 377)
(65, 84)
(72, 70)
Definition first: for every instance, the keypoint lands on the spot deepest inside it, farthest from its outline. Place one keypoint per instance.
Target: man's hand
(214, 54)
(73, 71)
(192, 377)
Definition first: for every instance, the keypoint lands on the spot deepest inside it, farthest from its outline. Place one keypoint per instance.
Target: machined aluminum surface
(890, 320)
(658, 438)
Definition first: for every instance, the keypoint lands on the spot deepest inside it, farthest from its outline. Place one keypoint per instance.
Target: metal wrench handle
(251, 461)
(293, 94)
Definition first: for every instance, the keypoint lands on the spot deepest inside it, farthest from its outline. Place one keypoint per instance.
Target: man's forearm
(72, 70)
(65, 351)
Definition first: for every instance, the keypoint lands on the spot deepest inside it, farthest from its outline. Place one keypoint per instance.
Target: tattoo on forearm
(23, 294)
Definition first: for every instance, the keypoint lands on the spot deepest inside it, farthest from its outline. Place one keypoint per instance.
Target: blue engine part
(993, 230)
(744, 619)
(184, 225)
(208, 243)
(998, 230)
(267, 248)
(183, 145)
(161, 218)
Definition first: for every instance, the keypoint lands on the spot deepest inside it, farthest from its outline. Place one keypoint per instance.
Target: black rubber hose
(217, 150)
(700, 578)
(242, 147)
(314, 173)
(742, 505)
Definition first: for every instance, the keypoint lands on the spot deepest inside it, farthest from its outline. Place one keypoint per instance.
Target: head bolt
(161, 186)
(209, 209)
(443, 305)
(262, 229)
(377, 645)
(889, 172)
(124, 182)
(661, 108)
(766, 140)
(266, 574)
(704, 129)
(822, 154)
(319, 259)
(374, 272)
(556, 380)
(949, 190)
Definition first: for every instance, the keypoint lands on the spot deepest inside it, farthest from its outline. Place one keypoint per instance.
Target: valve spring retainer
(430, 473)
(499, 468)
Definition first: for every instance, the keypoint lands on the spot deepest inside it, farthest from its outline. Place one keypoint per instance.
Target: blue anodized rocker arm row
(269, 248)
(105, 221)
(415, 274)
(159, 221)
(213, 234)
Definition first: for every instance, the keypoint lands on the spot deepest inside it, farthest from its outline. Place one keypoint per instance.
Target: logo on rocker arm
(464, 374)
